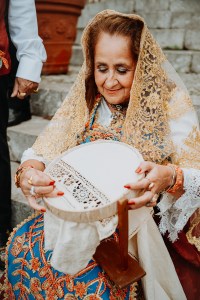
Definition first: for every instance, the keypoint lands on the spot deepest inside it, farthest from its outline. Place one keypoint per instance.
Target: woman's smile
(112, 92)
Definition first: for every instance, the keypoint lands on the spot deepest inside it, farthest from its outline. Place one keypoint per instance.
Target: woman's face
(114, 67)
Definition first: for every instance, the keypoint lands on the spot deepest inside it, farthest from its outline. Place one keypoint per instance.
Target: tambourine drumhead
(92, 177)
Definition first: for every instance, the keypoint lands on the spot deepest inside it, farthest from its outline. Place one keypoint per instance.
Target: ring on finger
(32, 191)
(151, 184)
(30, 180)
(22, 94)
(36, 91)
(154, 199)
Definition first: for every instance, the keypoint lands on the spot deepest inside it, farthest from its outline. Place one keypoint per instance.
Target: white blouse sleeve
(22, 21)
(30, 154)
(176, 213)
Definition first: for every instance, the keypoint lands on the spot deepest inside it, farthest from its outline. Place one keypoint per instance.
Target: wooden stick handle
(123, 231)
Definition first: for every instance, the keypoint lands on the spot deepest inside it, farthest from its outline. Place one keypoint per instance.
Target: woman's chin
(115, 100)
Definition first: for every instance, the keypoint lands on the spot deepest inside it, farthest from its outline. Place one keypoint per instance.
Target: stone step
(22, 136)
(172, 38)
(174, 25)
(184, 61)
(166, 14)
(167, 19)
(53, 89)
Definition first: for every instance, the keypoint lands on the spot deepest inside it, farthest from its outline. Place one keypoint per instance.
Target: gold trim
(6, 282)
(193, 240)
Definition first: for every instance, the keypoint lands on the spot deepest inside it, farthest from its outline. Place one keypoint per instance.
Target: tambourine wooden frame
(94, 214)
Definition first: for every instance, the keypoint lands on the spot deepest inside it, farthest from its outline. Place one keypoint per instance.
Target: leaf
(21, 273)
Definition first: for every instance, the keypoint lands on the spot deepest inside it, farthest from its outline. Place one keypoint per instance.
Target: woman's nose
(111, 80)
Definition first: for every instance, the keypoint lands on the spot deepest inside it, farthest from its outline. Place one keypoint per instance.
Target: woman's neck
(117, 107)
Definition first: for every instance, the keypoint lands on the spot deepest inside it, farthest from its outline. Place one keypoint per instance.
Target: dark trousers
(5, 172)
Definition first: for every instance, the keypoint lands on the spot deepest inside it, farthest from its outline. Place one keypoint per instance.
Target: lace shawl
(157, 96)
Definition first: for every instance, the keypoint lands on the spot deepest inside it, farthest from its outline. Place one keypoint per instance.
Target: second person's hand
(23, 88)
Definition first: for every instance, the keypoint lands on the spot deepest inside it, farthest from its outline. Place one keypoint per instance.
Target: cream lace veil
(157, 95)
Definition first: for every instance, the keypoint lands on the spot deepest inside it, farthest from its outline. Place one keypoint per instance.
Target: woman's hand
(157, 179)
(36, 184)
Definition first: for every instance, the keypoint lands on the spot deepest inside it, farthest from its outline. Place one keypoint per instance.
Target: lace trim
(146, 126)
(190, 156)
(191, 238)
(85, 194)
(8, 295)
(180, 99)
(176, 213)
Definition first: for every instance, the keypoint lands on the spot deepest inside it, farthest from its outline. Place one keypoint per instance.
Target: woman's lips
(111, 92)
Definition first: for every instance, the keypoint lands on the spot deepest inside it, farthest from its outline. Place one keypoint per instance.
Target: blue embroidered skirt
(30, 275)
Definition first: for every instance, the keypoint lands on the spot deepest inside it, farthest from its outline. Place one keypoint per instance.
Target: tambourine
(92, 177)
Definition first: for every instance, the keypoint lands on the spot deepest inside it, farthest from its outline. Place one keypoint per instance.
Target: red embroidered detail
(48, 284)
(4, 60)
(80, 289)
(35, 264)
(18, 245)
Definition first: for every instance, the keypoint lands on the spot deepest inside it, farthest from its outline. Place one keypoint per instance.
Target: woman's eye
(102, 69)
(122, 70)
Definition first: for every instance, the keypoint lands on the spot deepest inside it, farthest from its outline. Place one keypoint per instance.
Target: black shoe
(2, 258)
(3, 241)
(16, 117)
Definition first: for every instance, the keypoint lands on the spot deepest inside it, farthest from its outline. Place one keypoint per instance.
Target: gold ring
(32, 191)
(36, 91)
(151, 184)
(154, 199)
(30, 180)
(22, 94)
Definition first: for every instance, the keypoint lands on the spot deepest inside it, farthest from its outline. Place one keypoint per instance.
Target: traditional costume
(161, 123)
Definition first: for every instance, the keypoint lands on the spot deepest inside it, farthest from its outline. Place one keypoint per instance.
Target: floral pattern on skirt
(30, 275)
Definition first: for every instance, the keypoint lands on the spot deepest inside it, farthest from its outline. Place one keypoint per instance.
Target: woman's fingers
(35, 178)
(42, 190)
(139, 185)
(38, 178)
(36, 184)
(147, 199)
(33, 200)
(33, 203)
(145, 166)
(54, 193)
(157, 179)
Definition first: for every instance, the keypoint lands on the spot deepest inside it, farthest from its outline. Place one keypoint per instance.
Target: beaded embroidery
(94, 131)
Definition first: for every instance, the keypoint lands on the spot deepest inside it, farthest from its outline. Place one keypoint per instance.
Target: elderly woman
(125, 91)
